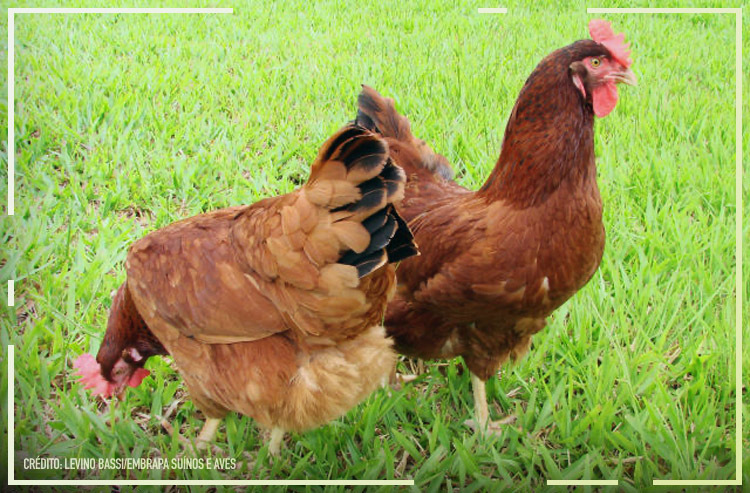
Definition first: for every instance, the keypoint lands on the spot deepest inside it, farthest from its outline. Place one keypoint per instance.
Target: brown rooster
(496, 262)
(272, 310)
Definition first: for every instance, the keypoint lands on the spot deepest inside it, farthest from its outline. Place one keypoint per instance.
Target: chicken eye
(595, 62)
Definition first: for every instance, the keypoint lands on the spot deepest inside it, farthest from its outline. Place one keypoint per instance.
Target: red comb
(601, 32)
(91, 375)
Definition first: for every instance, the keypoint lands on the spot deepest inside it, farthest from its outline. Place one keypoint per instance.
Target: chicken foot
(398, 379)
(206, 435)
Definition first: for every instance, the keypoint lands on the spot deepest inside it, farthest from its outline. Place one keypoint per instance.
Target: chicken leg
(208, 432)
(274, 445)
(482, 424)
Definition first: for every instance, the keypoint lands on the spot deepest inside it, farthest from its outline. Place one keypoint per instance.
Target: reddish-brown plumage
(273, 310)
(496, 262)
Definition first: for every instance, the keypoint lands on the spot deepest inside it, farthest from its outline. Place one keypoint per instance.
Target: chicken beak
(627, 77)
(630, 78)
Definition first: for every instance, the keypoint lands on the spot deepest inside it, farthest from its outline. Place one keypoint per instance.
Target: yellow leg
(208, 432)
(482, 423)
(481, 410)
(274, 446)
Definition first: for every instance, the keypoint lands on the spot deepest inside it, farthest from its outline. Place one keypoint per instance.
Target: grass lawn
(126, 123)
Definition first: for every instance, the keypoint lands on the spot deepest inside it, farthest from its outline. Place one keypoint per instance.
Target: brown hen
(272, 310)
(496, 262)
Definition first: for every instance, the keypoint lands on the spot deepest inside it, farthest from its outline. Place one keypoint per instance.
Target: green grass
(126, 123)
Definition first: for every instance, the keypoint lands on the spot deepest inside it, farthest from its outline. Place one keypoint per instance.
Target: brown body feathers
(274, 310)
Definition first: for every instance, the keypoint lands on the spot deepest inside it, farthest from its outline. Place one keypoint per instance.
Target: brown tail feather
(379, 114)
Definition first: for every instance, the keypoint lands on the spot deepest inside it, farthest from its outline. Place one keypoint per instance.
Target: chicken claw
(397, 380)
(491, 428)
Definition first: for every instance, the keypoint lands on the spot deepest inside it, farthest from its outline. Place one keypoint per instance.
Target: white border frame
(738, 252)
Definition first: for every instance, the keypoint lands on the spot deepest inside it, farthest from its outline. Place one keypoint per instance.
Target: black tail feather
(390, 241)
(381, 183)
(402, 244)
(373, 193)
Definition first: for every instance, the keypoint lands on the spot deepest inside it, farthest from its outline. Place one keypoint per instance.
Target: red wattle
(605, 99)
